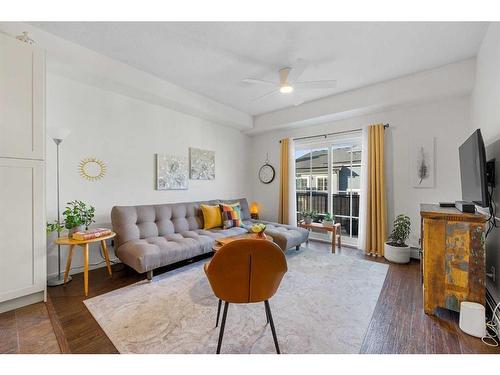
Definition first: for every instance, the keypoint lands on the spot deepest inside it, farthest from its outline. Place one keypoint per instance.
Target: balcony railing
(341, 204)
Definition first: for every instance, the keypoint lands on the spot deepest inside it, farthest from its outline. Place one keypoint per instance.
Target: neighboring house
(312, 171)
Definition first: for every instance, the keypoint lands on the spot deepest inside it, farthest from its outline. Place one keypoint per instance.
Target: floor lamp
(58, 135)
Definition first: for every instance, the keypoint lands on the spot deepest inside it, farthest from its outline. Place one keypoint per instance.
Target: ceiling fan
(288, 82)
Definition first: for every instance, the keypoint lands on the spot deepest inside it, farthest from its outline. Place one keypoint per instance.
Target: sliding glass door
(346, 176)
(328, 177)
(311, 173)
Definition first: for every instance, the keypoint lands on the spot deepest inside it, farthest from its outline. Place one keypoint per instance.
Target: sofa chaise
(153, 236)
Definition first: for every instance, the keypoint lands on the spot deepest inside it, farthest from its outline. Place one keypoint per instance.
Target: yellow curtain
(376, 226)
(284, 188)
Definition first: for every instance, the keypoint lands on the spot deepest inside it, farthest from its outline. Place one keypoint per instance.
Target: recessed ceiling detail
(212, 58)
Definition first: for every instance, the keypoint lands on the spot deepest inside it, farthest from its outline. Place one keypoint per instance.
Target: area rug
(324, 305)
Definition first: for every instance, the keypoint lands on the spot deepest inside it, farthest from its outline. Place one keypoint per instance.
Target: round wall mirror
(92, 169)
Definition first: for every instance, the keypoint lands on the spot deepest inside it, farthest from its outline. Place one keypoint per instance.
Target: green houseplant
(77, 216)
(328, 220)
(308, 216)
(396, 249)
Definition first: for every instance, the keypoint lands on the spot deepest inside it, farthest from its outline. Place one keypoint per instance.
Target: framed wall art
(171, 172)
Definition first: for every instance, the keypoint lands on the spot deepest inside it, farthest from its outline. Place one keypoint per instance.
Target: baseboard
(414, 253)
(79, 269)
(22, 301)
(328, 240)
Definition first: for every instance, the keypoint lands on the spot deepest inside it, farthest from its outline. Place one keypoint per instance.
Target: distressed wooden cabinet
(453, 257)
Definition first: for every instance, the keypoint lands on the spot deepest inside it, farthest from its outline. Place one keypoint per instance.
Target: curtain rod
(336, 133)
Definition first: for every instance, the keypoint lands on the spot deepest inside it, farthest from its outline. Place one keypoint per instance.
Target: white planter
(328, 224)
(397, 254)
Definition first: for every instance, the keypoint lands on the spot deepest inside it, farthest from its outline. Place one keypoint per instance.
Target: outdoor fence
(318, 201)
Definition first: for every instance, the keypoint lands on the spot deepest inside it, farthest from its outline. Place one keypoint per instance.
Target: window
(322, 184)
(328, 176)
(302, 183)
(309, 165)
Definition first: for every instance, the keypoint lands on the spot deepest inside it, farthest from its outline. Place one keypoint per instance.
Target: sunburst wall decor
(92, 169)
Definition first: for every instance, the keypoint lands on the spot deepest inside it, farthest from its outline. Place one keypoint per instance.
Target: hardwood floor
(398, 324)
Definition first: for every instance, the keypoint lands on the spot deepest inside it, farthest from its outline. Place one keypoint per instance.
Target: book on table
(91, 234)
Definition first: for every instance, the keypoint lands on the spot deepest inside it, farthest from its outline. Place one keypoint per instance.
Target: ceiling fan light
(286, 89)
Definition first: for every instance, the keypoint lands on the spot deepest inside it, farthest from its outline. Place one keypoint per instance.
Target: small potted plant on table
(77, 216)
(396, 250)
(308, 216)
(328, 220)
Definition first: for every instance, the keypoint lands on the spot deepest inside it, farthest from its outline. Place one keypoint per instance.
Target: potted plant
(308, 216)
(396, 250)
(77, 216)
(328, 220)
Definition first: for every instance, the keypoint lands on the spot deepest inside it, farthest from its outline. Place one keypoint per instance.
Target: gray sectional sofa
(153, 236)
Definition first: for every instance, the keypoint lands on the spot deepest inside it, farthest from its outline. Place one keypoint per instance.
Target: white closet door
(22, 234)
(22, 95)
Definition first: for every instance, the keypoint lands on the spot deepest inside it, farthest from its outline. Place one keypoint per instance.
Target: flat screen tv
(473, 170)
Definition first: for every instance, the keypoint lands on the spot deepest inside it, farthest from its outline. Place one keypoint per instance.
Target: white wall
(126, 133)
(486, 92)
(447, 120)
(486, 116)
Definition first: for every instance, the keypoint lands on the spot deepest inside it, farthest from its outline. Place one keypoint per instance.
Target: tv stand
(453, 252)
(465, 207)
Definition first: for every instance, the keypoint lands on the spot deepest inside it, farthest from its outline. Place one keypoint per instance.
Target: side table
(85, 245)
(335, 229)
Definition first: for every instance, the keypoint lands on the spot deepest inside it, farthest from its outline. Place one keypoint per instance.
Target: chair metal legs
(223, 324)
(218, 313)
(273, 330)
(269, 318)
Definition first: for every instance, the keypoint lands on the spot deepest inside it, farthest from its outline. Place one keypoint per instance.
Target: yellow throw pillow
(211, 216)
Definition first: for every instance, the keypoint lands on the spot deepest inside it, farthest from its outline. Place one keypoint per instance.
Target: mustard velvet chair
(246, 271)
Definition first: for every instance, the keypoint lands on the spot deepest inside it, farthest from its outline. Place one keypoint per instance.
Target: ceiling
(211, 58)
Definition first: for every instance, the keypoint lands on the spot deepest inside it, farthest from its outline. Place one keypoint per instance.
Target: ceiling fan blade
(258, 82)
(316, 84)
(297, 70)
(265, 95)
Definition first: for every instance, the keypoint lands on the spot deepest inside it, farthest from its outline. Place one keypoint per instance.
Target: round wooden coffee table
(85, 245)
(223, 241)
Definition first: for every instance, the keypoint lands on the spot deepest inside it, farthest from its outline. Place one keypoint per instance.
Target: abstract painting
(171, 172)
(202, 164)
(422, 162)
